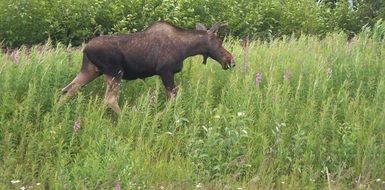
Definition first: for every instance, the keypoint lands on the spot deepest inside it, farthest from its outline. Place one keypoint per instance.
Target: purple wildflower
(77, 126)
(287, 75)
(15, 56)
(258, 78)
(117, 186)
(329, 72)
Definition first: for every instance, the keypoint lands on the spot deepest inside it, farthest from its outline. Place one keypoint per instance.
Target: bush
(76, 21)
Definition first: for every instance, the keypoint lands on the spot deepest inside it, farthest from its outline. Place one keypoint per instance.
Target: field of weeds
(293, 114)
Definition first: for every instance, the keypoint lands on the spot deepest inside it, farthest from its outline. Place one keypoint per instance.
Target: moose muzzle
(232, 63)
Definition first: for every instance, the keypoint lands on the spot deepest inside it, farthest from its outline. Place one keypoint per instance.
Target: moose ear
(216, 28)
(200, 26)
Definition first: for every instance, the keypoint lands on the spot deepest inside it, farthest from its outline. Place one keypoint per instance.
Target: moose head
(215, 50)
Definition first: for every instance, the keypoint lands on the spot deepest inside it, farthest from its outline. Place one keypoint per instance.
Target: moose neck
(194, 43)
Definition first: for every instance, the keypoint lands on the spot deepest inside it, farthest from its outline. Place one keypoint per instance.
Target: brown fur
(158, 50)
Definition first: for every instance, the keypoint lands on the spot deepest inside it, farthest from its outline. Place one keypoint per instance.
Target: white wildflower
(15, 181)
(241, 114)
(204, 128)
(217, 116)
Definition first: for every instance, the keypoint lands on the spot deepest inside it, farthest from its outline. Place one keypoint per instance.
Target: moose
(158, 50)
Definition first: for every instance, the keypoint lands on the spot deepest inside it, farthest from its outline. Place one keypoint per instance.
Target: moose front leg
(169, 84)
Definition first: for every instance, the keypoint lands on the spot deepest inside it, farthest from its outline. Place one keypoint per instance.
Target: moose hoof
(171, 94)
(64, 92)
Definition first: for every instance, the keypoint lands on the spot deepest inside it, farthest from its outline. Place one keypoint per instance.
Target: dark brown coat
(158, 50)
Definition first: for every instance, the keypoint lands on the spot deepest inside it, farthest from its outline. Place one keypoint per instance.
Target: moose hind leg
(84, 77)
(112, 93)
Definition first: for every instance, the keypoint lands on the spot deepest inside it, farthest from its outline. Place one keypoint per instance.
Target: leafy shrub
(76, 21)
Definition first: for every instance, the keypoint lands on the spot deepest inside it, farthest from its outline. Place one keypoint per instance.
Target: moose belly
(129, 75)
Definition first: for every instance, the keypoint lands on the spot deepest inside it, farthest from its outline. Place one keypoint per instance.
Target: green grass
(310, 129)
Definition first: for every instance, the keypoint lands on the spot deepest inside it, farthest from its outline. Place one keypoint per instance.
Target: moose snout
(232, 63)
(228, 64)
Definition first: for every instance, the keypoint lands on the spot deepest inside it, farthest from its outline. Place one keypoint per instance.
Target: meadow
(295, 113)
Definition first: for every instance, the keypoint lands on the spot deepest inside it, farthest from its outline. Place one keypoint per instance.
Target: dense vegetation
(75, 21)
(303, 109)
(295, 114)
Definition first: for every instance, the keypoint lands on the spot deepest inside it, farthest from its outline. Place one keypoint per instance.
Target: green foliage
(379, 30)
(314, 122)
(76, 21)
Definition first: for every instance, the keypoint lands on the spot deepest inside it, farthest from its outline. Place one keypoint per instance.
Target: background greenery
(26, 22)
(314, 120)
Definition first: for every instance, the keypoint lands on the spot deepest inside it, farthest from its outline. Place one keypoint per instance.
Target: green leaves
(76, 21)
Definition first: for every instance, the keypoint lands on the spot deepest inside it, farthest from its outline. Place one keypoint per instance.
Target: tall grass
(315, 119)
